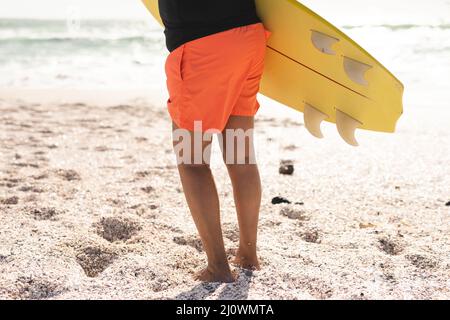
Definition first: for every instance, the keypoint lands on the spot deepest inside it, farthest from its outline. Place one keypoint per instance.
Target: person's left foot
(206, 275)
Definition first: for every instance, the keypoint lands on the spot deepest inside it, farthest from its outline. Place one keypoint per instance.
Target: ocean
(410, 38)
(100, 53)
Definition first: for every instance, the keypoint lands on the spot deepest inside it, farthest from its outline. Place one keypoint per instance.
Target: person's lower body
(213, 83)
(203, 201)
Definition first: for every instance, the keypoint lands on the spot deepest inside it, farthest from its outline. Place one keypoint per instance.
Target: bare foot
(246, 261)
(206, 275)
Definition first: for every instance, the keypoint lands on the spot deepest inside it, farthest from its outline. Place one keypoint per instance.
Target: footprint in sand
(391, 246)
(117, 229)
(30, 288)
(45, 213)
(189, 240)
(311, 236)
(10, 201)
(94, 260)
(422, 262)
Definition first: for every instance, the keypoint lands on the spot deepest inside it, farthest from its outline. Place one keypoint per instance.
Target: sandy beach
(91, 206)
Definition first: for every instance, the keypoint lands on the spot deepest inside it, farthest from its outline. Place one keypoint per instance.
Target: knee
(194, 167)
(242, 169)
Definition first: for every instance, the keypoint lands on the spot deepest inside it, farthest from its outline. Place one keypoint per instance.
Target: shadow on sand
(237, 290)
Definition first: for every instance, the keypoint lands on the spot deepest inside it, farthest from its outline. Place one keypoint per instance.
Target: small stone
(448, 204)
(286, 167)
(279, 200)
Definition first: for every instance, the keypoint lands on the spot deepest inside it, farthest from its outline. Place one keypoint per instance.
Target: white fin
(313, 118)
(347, 126)
(323, 42)
(356, 70)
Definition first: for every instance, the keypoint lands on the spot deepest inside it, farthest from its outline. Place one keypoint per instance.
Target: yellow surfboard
(313, 67)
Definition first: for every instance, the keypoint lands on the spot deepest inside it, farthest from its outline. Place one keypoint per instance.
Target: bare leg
(246, 189)
(203, 201)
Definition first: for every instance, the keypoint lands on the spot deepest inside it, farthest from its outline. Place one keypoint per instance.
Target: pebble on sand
(279, 200)
(286, 167)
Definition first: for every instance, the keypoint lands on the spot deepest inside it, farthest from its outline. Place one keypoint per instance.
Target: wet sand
(91, 207)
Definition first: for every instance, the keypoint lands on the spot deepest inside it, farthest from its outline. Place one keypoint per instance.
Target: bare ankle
(221, 268)
(212, 274)
(247, 249)
(247, 258)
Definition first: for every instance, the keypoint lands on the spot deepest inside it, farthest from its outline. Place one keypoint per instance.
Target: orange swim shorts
(212, 78)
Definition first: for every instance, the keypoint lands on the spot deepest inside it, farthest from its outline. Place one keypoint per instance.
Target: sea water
(411, 38)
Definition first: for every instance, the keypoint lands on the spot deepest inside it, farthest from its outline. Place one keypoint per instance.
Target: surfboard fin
(356, 70)
(323, 42)
(347, 126)
(313, 118)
